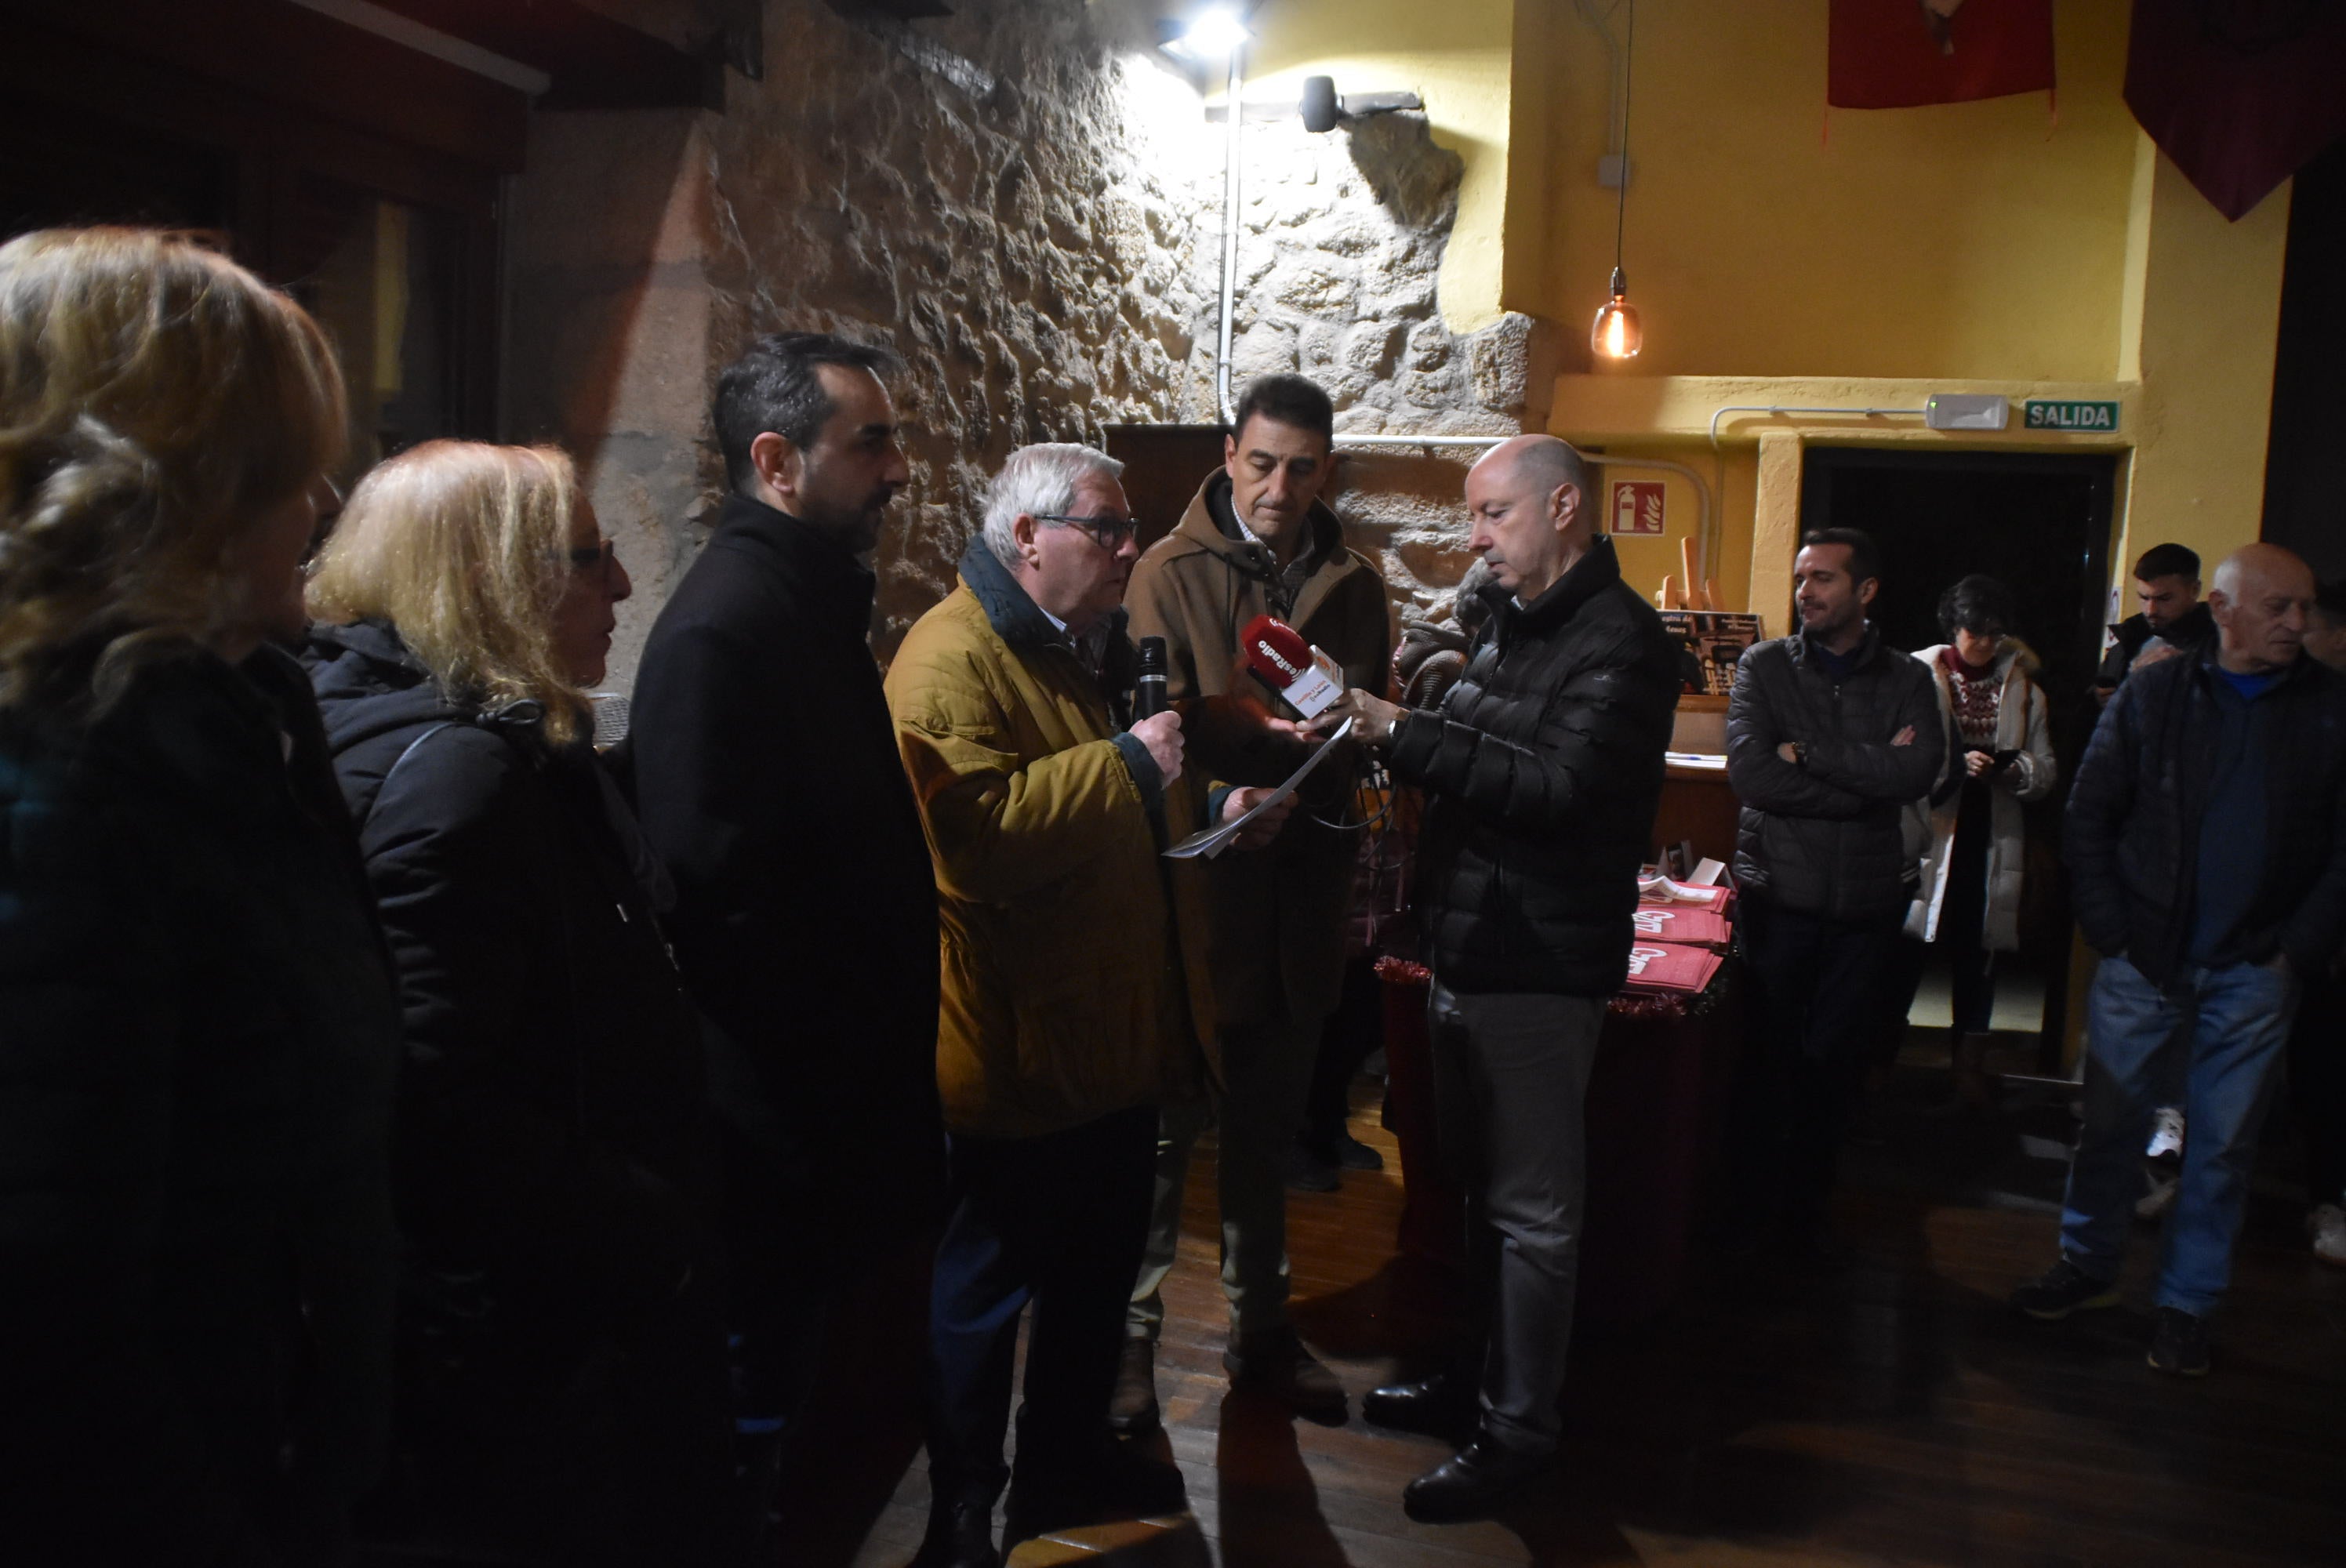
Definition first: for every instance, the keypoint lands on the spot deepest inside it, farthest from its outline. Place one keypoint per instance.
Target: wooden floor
(1893, 1412)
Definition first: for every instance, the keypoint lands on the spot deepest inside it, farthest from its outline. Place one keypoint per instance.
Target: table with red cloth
(1655, 1114)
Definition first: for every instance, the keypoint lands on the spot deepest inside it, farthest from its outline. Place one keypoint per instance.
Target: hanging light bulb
(1615, 333)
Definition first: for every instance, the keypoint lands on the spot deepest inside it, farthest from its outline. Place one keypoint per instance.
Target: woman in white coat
(2000, 758)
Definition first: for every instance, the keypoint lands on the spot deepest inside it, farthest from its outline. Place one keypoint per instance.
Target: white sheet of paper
(1211, 842)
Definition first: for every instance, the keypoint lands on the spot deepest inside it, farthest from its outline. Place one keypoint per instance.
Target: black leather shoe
(1474, 1483)
(1442, 1405)
(960, 1536)
(1116, 1480)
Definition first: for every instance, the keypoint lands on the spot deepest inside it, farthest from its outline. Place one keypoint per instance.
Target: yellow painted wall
(1960, 247)
(2210, 317)
(1457, 56)
(1977, 239)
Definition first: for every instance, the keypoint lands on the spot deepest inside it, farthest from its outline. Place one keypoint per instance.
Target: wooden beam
(303, 60)
(597, 62)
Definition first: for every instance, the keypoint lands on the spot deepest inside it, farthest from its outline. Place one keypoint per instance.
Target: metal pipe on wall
(1229, 234)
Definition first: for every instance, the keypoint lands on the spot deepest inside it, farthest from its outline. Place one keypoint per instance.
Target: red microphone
(1309, 680)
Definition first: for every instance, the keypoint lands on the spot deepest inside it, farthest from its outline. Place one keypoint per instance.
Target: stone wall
(1338, 265)
(1026, 203)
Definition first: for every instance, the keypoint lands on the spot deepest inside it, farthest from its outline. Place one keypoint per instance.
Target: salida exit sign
(2050, 413)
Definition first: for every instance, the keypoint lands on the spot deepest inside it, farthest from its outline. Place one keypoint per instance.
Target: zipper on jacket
(1832, 867)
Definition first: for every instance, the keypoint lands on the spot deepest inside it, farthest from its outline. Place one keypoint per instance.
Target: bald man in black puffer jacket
(1543, 768)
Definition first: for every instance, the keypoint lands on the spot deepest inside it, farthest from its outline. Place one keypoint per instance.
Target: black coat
(1543, 769)
(2131, 835)
(2192, 631)
(767, 779)
(198, 1041)
(1823, 836)
(552, 1123)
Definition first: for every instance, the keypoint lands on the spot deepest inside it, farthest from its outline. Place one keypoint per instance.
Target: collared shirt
(1835, 666)
(1090, 649)
(1287, 585)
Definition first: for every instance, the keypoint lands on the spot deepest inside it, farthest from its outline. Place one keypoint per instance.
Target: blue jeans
(2240, 1016)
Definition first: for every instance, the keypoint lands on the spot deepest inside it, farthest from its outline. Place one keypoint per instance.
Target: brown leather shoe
(1278, 1364)
(1132, 1408)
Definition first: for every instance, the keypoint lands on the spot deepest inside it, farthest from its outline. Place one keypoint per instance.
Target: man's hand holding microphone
(1158, 728)
(1313, 685)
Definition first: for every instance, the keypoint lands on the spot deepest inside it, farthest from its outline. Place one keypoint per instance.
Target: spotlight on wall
(1212, 33)
(1323, 108)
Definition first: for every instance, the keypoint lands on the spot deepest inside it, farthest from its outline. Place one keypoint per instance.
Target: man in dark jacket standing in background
(2205, 838)
(1829, 734)
(1543, 768)
(767, 780)
(2167, 586)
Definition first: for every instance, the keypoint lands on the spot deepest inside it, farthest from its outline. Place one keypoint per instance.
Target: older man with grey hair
(2205, 838)
(1074, 996)
(1542, 768)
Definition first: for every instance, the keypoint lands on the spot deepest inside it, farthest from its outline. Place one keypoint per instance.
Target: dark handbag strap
(397, 763)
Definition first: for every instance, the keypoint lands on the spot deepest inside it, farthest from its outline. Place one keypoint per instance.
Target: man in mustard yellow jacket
(1074, 992)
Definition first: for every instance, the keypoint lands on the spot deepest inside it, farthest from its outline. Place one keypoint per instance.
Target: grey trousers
(1266, 1068)
(1511, 1075)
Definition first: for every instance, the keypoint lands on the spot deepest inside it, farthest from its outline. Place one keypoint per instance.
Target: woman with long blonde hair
(197, 1032)
(550, 1132)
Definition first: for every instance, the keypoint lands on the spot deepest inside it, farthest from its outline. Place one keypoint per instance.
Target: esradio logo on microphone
(1286, 665)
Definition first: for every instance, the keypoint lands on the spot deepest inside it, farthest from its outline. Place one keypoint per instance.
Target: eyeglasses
(1107, 531)
(594, 557)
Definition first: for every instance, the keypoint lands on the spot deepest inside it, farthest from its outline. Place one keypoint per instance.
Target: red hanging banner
(1897, 53)
(2240, 93)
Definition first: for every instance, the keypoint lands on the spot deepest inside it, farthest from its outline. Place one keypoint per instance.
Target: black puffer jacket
(198, 1042)
(552, 1115)
(1543, 769)
(2193, 631)
(2131, 835)
(1823, 836)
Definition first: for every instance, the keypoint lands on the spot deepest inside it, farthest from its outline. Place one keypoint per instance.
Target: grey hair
(1035, 480)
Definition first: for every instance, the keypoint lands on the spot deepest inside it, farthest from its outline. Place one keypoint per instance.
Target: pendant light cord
(1628, 69)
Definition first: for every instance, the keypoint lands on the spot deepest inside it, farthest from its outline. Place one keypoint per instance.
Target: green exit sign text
(2045, 414)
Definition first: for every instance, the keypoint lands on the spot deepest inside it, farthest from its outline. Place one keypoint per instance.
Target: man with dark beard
(767, 776)
(1830, 733)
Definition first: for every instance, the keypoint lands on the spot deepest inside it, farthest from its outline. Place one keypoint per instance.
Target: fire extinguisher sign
(1636, 506)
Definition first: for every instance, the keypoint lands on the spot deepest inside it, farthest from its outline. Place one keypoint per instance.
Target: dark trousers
(1816, 989)
(1059, 1220)
(1355, 1029)
(1962, 914)
(1511, 1081)
(2317, 1087)
(782, 1264)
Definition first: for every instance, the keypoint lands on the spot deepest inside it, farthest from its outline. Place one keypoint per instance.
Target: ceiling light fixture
(1215, 32)
(1212, 34)
(1616, 334)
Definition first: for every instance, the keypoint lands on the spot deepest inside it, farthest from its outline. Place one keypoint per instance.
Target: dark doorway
(2041, 525)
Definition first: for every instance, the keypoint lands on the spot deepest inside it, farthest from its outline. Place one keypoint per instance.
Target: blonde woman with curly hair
(198, 1031)
(550, 1132)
